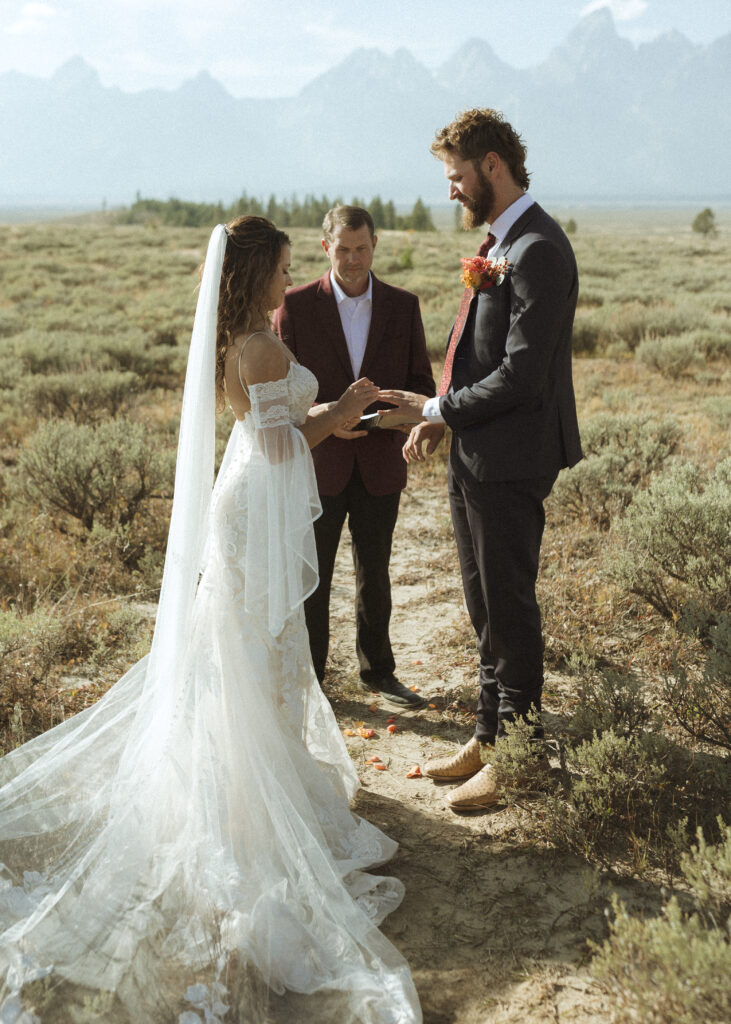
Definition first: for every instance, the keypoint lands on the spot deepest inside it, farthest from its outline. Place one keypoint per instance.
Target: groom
(507, 394)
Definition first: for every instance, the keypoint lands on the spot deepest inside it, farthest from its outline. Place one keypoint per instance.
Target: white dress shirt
(355, 316)
(499, 229)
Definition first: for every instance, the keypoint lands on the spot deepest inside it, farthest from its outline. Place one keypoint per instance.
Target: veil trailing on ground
(65, 793)
(192, 827)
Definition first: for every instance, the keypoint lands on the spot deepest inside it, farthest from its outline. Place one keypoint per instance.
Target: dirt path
(493, 931)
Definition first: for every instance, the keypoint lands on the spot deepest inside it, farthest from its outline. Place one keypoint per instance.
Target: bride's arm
(324, 419)
(262, 361)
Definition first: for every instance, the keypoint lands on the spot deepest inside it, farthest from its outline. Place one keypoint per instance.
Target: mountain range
(602, 120)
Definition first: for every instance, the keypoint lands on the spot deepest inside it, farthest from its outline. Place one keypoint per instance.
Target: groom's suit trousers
(498, 527)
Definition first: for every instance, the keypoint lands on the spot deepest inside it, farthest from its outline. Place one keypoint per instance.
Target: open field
(94, 326)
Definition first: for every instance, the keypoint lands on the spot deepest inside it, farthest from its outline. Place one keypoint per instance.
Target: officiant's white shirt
(500, 228)
(355, 316)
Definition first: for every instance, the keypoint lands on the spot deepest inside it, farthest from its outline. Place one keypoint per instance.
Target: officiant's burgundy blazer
(395, 357)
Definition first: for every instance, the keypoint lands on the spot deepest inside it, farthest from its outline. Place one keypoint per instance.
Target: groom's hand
(404, 402)
(432, 433)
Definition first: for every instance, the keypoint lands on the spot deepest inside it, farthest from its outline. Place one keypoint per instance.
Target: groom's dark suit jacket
(511, 405)
(395, 357)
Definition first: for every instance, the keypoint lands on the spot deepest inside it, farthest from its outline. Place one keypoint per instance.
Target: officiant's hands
(431, 433)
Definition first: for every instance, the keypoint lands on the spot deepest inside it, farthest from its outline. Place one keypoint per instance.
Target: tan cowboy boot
(479, 791)
(466, 762)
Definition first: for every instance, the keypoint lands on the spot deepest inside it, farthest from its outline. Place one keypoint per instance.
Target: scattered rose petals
(432, 705)
(392, 728)
(391, 719)
(367, 734)
(348, 732)
(380, 767)
(414, 688)
(373, 760)
(373, 708)
(415, 772)
(417, 662)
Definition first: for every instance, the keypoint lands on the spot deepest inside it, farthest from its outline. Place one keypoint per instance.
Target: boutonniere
(480, 273)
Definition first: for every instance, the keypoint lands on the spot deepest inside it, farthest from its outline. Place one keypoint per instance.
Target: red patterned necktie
(464, 308)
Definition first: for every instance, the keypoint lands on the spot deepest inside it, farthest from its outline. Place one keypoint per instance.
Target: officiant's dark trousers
(371, 521)
(498, 526)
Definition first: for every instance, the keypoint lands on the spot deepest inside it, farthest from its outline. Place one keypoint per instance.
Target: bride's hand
(352, 402)
(348, 430)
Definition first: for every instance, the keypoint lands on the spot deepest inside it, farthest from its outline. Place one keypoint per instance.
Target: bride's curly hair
(253, 248)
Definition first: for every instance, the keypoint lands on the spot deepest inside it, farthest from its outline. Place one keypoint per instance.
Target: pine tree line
(306, 213)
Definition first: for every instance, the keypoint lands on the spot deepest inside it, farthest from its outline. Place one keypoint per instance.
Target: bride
(184, 849)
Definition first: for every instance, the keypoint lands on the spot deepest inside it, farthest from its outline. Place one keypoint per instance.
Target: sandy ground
(494, 931)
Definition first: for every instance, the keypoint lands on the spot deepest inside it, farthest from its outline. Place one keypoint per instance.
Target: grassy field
(635, 579)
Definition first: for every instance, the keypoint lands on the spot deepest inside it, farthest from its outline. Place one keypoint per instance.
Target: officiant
(342, 326)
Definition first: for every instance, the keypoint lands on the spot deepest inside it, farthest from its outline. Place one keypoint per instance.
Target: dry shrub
(520, 762)
(38, 647)
(698, 696)
(30, 646)
(630, 800)
(85, 397)
(104, 473)
(718, 409)
(156, 366)
(672, 547)
(581, 608)
(622, 452)
(611, 783)
(586, 334)
(674, 967)
(622, 797)
(39, 561)
(712, 344)
(635, 321)
(609, 699)
(671, 357)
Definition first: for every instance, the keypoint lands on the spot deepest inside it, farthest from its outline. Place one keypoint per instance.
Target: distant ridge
(602, 120)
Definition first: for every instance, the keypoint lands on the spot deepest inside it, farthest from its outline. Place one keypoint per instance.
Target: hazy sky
(273, 47)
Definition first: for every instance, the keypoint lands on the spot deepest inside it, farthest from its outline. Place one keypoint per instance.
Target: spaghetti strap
(241, 352)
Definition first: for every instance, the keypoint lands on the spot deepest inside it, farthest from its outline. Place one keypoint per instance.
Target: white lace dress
(190, 854)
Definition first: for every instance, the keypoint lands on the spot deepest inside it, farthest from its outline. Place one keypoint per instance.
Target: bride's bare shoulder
(257, 357)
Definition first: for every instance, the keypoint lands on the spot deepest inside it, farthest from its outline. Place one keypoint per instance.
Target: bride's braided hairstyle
(253, 249)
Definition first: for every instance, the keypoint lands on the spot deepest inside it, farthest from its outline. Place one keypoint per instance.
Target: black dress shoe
(393, 691)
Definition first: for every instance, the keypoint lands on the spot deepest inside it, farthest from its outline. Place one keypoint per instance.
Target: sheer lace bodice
(196, 830)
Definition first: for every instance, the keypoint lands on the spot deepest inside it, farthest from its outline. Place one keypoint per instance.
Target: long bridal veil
(184, 850)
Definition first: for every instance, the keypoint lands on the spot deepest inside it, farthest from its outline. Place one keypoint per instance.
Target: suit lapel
(380, 310)
(329, 324)
(517, 230)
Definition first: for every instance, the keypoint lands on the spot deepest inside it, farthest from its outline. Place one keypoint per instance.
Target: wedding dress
(184, 848)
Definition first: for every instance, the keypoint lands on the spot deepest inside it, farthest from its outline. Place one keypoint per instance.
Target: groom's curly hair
(476, 132)
(253, 248)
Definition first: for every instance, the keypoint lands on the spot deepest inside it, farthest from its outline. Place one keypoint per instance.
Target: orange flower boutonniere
(480, 273)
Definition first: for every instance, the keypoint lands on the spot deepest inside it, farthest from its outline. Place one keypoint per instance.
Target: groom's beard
(477, 209)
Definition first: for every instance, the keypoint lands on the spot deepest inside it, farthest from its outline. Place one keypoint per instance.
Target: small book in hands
(376, 420)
